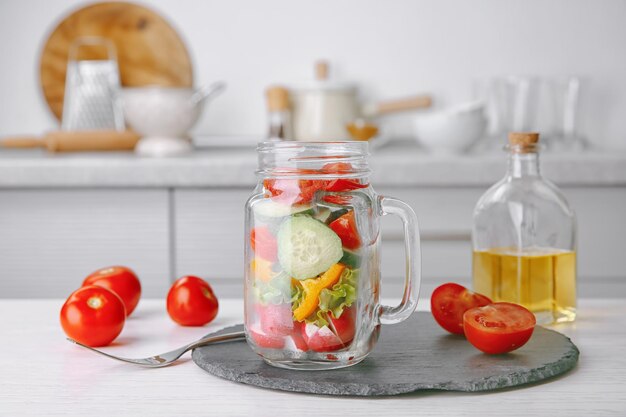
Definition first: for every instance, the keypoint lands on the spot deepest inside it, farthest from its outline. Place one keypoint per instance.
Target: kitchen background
(65, 215)
(390, 48)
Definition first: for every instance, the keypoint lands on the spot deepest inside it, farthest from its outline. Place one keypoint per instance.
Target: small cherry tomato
(449, 302)
(121, 280)
(498, 327)
(191, 302)
(345, 227)
(263, 243)
(93, 316)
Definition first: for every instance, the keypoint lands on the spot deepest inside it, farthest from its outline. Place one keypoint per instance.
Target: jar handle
(401, 312)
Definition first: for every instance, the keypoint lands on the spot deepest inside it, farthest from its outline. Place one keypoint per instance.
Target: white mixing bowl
(161, 111)
(451, 131)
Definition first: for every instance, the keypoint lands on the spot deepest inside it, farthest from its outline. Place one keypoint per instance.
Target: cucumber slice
(307, 247)
(272, 210)
(351, 259)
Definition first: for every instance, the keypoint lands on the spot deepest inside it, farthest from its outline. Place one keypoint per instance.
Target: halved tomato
(498, 327)
(449, 302)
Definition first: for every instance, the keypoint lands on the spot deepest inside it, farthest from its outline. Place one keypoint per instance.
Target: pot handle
(208, 92)
(395, 106)
(412, 249)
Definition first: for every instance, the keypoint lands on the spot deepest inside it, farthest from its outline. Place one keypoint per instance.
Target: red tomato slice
(263, 243)
(93, 315)
(344, 326)
(191, 302)
(449, 302)
(337, 167)
(344, 184)
(121, 280)
(301, 191)
(345, 227)
(297, 338)
(321, 339)
(276, 320)
(498, 327)
(266, 341)
(293, 191)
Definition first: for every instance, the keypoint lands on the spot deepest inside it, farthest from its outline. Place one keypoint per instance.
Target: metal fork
(168, 358)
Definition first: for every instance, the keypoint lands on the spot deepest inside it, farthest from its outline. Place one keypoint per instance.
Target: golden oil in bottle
(541, 279)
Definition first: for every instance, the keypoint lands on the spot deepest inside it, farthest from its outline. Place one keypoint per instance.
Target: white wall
(394, 48)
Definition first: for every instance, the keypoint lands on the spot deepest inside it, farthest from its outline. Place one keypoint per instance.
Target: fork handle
(217, 339)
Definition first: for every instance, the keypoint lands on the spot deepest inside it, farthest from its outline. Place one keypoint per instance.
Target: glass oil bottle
(524, 238)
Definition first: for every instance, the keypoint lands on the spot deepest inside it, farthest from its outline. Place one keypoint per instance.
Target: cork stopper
(277, 98)
(523, 142)
(321, 70)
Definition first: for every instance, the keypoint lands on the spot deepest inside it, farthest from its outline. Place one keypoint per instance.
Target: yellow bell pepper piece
(262, 269)
(312, 289)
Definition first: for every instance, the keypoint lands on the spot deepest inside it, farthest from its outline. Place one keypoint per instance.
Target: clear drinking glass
(524, 239)
(312, 258)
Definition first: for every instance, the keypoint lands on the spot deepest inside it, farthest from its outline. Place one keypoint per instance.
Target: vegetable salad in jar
(305, 263)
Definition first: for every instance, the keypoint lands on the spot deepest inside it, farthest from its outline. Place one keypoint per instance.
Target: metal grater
(91, 90)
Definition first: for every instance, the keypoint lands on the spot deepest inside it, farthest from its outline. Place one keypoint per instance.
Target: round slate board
(411, 356)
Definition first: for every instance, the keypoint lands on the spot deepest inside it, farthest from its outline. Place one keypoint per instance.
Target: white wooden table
(43, 374)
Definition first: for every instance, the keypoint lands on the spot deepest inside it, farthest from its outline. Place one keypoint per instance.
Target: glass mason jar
(312, 256)
(524, 239)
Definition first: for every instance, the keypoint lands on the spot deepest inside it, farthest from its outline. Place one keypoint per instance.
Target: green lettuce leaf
(276, 291)
(334, 300)
(341, 295)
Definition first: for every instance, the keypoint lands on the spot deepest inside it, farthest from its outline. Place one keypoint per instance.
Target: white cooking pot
(323, 108)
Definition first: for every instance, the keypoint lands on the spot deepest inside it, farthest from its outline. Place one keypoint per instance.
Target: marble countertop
(234, 167)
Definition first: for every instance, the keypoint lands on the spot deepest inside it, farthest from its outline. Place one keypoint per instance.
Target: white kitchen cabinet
(63, 215)
(209, 235)
(52, 239)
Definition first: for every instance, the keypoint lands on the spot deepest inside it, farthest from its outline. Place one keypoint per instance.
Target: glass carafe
(312, 259)
(524, 238)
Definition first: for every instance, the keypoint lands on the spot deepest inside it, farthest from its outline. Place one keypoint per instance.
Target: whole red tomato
(191, 302)
(263, 243)
(121, 280)
(93, 316)
(449, 302)
(498, 327)
(345, 227)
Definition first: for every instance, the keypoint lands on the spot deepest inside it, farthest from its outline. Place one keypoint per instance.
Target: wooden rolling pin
(74, 141)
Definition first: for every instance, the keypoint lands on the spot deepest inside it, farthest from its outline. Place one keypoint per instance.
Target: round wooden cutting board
(149, 51)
